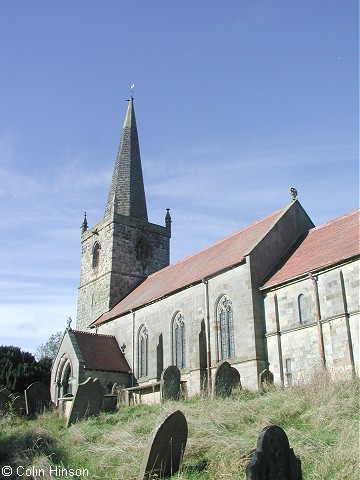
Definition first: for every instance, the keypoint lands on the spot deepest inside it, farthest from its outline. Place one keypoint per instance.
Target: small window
(96, 255)
(302, 308)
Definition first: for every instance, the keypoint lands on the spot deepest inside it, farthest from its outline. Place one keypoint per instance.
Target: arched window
(302, 308)
(143, 352)
(96, 255)
(226, 322)
(143, 250)
(179, 342)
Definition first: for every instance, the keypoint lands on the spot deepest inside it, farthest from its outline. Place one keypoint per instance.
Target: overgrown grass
(320, 419)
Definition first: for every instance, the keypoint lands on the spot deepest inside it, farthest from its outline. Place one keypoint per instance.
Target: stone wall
(301, 341)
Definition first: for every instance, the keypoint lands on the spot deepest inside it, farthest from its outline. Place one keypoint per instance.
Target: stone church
(280, 294)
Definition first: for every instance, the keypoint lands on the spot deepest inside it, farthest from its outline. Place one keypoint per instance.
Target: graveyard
(318, 420)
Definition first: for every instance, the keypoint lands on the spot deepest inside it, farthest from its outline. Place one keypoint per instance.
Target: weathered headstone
(18, 406)
(87, 402)
(273, 458)
(266, 378)
(4, 401)
(170, 383)
(165, 448)
(236, 378)
(223, 380)
(37, 398)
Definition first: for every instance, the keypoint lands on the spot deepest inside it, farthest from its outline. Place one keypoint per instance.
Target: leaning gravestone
(165, 448)
(18, 405)
(273, 458)
(37, 398)
(236, 377)
(266, 378)
(170, 383)
(4, 401)
(224, 378)
(87, 401)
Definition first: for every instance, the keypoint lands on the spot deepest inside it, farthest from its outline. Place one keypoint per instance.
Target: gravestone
(273, 458)
(170, 383)
(87, 402)
(236, 378)
(165, 448)
(18, 405)
(266, 378)
(224, 378)
(37, 398)
(4, 401)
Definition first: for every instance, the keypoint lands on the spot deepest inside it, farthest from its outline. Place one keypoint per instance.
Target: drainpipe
(278, 334)
(318, 318)
(347, 322)
(208, 348)
(133, 347)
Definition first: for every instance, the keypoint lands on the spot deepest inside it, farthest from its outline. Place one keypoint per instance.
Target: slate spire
(127, 184)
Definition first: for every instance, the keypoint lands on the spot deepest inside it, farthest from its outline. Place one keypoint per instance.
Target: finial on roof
(168, 220)
(84, 225)
(293, 193)
(69, 320)
(132, 89)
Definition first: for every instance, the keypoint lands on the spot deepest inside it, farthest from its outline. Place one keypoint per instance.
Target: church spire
(127, 184)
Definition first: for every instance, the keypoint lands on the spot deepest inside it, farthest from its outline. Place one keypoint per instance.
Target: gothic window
(143, 352)
(179, 342)
(302, 308)
(96, 255)
(142, 249)
(226, 322)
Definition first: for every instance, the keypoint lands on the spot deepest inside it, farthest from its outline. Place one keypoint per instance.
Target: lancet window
(302, 308)
(143, 352)
(179, 341)
(96, 255)
(226, 323)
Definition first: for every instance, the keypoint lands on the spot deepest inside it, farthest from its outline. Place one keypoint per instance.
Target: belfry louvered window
(96, 255)
(143, 352)
(226, 320)
(179, 341)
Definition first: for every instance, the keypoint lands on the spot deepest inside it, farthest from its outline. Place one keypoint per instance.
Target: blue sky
(236, 102)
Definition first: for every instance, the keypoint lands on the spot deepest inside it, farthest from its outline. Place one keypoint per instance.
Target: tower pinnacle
(127, 181)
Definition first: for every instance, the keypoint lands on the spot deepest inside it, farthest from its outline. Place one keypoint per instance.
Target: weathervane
(132, 89)
(293, 193)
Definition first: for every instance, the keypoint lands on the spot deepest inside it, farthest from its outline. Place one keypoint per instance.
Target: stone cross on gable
(69, 320)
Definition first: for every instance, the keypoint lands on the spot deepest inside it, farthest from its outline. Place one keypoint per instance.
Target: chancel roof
(100, 352)
(222, 255)
(326, 245)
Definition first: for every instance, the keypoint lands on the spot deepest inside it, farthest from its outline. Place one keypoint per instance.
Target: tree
(19, 369)
(48, 350)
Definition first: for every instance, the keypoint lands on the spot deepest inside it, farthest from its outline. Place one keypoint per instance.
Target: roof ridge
(334, 220)
(247, 227)
(94, 334)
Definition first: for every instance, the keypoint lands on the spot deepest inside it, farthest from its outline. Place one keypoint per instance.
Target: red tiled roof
(325, 245)
(223, 254)
(101, 352)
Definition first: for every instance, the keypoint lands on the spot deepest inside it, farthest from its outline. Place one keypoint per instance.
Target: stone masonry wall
(300, 341)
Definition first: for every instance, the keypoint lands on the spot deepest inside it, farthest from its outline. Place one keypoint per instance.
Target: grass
(320, 419)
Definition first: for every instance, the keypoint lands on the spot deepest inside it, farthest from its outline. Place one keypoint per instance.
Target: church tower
(124, 247)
